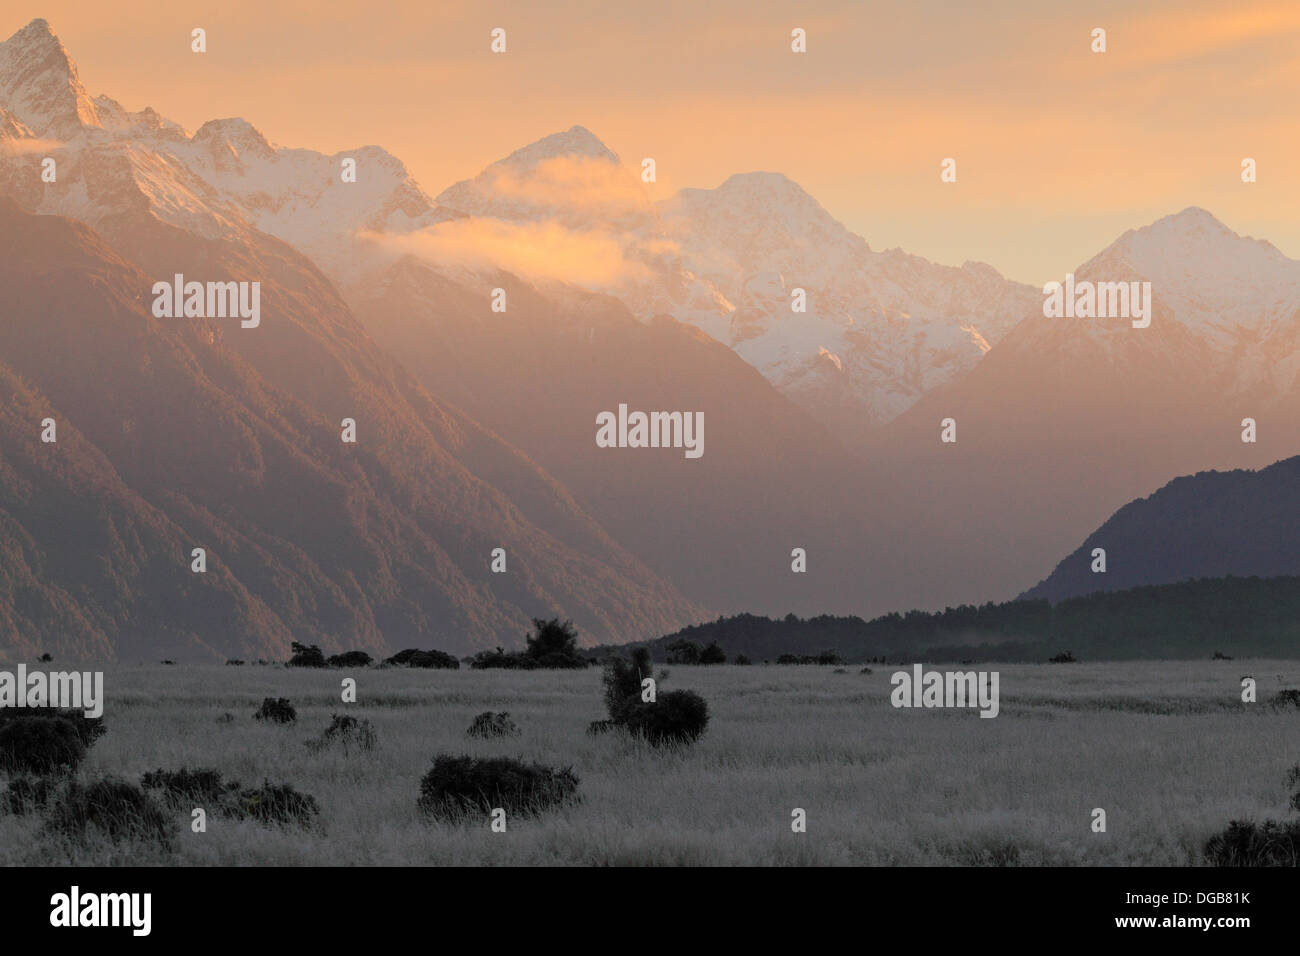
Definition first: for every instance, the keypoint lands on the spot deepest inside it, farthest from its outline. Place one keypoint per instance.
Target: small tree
(305, 655)
(713, 654)
(553, 644)
(351, 659)
(684, 652)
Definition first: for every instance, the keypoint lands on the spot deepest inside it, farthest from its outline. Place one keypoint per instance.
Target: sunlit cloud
(544, 250)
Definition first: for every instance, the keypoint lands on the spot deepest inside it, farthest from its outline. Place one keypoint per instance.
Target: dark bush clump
(277, 803)
(26, 794)
(351, 659)
(678, 716)
(741, 659)
(425, 659)
(713, 654)
(89, 729)
(1220, 656)
(682, 651)
(456, 786)
(623, 676)
(1247, 844)
(825, 657)
(489, 724)
(115, 808)
(40, 745)
(234, 662)
(552, 645)
(277, 709)
(1065, 658)
(305, 655)
(1286, 698)
(500, 660)
(186, 788)
(347, 732)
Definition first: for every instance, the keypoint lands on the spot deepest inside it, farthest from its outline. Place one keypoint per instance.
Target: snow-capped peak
(236, 135)
(39, 84)
(576, 141)
(1211, 279)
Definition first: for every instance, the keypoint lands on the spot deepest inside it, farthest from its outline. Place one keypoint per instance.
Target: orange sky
(1059, 150)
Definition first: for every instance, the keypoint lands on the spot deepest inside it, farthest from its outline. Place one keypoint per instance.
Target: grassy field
(1167, 749)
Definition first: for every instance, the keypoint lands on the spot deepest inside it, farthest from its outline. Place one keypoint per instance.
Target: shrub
(234, 662)
(865, 670)
(1220, 656)
(277, 709)
(622, 681)
(191, 788)
(277, 803)
(89, 729)
(682, 651)
(1065, 658)
(678, 716)
(304, 655)
(488, 660)
(456, 786)
(426, 659)
(348, 732)
(46, 658)
(1247, 844)
(351, 659)
(489, 724)
(713, 654)
(40, 745)
(825, 657)
(741, 659)
(117, 809)
(553, 645)
(25, 794)
(1286, 698)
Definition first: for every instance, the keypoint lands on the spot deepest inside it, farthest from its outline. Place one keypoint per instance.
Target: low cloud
(545, 250)
(582, 184)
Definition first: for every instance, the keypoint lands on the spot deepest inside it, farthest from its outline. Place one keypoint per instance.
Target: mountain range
(476, 426)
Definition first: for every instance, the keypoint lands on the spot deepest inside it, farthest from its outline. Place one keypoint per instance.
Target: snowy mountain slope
(232, 437)
(222, 181)
(1067, 419)
(880, 329)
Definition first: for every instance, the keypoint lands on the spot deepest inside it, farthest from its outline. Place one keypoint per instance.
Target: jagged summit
(575, 141)
(237, 134)
(39, 84)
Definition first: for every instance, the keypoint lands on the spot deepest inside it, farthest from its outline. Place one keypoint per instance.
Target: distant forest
(1236, 617)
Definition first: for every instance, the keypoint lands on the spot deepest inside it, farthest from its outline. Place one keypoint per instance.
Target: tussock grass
(880, 786)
